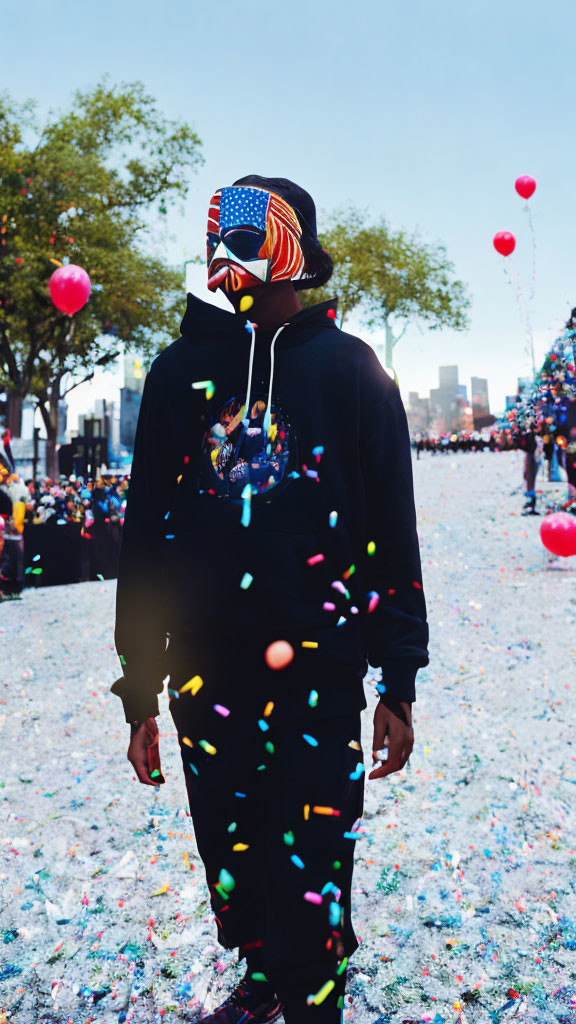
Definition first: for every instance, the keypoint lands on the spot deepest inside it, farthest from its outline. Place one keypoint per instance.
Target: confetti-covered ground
(465, 887)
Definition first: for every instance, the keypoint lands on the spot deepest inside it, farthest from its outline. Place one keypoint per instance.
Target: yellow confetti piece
(245, 303)
(187, 741)
(355, 745)
(322, 993)
(306, 812)
(161, 890)
(310, 643)
(240, 847)
(178, 479)
(324, 810)
(208, 747)
(269, 708)
(193, 685)
(56, 263)
(273, 431)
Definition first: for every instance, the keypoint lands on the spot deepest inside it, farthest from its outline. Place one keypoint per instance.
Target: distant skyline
(421, 113)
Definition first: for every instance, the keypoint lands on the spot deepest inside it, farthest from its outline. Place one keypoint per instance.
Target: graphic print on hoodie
(271, 497)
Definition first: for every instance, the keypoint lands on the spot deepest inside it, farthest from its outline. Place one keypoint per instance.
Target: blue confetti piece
(334, 914)
(309, 739)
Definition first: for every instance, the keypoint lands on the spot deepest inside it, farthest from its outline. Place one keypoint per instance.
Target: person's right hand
(140, 740)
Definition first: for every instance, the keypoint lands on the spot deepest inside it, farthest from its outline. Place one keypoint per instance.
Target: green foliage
(81, 187)
(391, 278)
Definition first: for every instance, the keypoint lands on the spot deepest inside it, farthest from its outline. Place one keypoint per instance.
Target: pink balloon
(525, 186)
(70, 288)
(279, 654)
(558, 534)
(504, 242)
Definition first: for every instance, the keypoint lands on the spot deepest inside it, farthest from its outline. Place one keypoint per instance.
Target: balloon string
(533, 237)
(514, 282)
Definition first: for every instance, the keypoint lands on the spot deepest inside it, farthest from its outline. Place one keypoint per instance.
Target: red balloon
(70, 288)
(558, 534)
(525, 186)
(504, 242)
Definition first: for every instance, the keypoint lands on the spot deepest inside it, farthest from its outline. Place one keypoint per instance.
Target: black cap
(298, 198)
(317, 262)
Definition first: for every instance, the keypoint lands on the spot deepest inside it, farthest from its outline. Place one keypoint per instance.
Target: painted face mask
(253, 238)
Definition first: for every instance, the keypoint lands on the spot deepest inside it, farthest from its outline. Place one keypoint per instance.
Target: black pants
(273, 807)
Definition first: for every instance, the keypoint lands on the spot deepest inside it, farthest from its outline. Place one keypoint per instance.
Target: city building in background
(446, 401)
(418, 412)
(480, 403)
(448, 408)
(131, 398)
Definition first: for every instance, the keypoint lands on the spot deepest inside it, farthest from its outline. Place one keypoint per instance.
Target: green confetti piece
(342, 966)
(289, 838)
(226, 880)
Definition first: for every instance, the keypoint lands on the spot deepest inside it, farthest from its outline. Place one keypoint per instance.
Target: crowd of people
(76, 499)
(89, 511)
(462, 441)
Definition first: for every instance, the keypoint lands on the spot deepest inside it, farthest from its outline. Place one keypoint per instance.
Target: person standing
(270, 537)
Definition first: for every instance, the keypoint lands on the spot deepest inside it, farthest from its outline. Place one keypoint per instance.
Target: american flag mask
(253, 238)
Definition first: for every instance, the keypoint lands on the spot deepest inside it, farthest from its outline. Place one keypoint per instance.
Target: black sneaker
(244, 1006)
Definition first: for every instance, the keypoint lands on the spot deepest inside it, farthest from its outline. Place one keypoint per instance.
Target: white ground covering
(466, 875)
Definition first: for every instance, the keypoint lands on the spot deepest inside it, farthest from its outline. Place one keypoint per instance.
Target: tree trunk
(14, 417)
(52, 467)
(389, 346)
(49, 410)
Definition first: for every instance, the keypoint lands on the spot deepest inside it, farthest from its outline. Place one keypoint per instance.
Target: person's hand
(144, 754)
(392, 734)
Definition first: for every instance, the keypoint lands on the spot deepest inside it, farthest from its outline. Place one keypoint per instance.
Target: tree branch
(397, 338)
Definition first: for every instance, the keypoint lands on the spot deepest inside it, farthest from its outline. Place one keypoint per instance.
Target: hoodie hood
(204, 317)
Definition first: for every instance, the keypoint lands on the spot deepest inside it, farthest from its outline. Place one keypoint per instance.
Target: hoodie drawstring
(268, 413)
(246, 419)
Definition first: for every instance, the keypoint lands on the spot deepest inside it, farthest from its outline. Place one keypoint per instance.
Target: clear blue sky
(423, 112)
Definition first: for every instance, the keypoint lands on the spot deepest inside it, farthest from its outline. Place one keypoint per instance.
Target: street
(465, 895)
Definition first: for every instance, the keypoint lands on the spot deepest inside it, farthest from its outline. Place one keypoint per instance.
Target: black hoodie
(294, 523)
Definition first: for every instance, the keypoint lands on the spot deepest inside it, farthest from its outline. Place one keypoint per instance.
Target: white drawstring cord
(268, 414)
(246, 419)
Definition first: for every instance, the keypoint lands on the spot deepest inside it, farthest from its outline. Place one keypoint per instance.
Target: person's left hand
(144, 754)
(391, 733)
